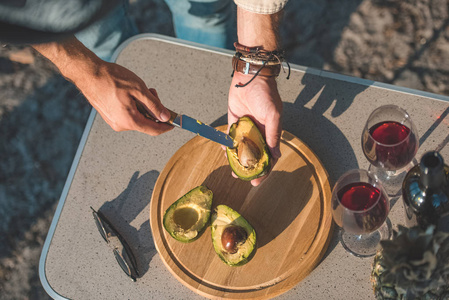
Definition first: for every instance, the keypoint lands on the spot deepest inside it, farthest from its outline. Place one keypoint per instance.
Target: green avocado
(250, 157)
(234, 239)
(186, 218)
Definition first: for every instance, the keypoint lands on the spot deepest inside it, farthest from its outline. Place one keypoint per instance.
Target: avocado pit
(234, 239)
(231, 238)
(248, 153)
(249, 158)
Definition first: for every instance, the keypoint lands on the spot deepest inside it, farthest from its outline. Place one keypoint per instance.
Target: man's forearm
(258, 29)
(72, 58)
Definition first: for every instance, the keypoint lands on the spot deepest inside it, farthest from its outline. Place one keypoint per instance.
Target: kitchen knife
(193, 125)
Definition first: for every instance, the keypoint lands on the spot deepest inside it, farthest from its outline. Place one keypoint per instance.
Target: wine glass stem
(365, 245)
(390, 173)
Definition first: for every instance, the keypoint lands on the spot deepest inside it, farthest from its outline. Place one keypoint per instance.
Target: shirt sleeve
(261, 6)
(40, 21)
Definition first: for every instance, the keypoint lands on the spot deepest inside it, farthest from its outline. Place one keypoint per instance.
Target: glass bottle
(425, 191)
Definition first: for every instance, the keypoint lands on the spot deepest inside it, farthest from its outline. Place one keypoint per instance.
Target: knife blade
(204, 130)
(192, 125)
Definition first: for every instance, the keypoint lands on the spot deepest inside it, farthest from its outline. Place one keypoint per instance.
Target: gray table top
(117, 171)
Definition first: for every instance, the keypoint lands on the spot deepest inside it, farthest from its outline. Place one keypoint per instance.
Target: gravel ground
(42, 116)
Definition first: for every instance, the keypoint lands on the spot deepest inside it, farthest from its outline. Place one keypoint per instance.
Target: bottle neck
(432, 170)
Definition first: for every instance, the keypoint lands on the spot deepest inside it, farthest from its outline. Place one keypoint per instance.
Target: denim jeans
(209, 22)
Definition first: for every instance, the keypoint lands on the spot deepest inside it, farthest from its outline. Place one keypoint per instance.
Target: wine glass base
(392, 180)
(365, 245)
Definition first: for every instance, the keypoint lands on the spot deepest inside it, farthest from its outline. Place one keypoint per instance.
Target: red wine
(392, 146)
(367, 210)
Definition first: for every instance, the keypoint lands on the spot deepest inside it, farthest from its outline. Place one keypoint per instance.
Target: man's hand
(114, 91)
(261, 101)
(110, 88)
(260, 98)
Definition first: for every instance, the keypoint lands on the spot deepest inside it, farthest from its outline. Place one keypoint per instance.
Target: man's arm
(111, 89)
(260, 98)
(258, 30)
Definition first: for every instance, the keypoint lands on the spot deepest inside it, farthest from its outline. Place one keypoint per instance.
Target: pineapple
(413, 265)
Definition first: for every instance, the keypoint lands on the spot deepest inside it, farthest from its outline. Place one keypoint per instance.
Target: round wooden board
(290, 212)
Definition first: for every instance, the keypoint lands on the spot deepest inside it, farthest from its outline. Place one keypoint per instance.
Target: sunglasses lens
(123, 264)
(129, 257)
(122, 252)
(100, 226)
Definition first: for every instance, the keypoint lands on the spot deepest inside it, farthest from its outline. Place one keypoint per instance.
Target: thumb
(154, 92)
(273, 130)
(158, 110)
(232, 118)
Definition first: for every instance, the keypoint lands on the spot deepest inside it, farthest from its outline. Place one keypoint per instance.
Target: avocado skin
(233, 161)
(184, 199)
(216, 239)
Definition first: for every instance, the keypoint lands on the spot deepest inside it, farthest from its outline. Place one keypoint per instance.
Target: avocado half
(186, 218)
(250, 158)
(234, 239)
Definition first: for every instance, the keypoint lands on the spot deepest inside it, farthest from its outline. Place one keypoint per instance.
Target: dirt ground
(42, 116)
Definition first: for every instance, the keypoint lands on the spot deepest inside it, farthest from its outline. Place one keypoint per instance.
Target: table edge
(43, 278)
(304, 69)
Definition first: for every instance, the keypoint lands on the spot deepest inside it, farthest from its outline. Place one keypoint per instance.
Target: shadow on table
(307, 121)
(223, 120)
(278, 217)
(318, 132)
(325, 139)
(125, 208)
(270, 210)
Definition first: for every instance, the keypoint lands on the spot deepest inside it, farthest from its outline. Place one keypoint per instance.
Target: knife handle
(147, 115)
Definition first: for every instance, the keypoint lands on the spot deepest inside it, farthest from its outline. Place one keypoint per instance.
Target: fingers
(153, 92)
(257, 181)
(150, 127)
(273, 130)
(151, 100)
(232, 118)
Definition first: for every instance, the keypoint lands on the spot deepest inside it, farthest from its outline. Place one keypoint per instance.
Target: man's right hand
(114, 91)
(110, 88)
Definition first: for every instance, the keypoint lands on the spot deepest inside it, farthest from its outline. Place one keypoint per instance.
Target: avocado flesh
(245, 129)
(222, 218)
(188, 216)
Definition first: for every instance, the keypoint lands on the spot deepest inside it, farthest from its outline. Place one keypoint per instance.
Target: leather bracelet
(257, 55)
(257, 61)
(240, 48)
(268, 61)
(266, 69)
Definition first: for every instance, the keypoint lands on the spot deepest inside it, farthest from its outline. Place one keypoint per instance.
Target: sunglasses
(120, 247)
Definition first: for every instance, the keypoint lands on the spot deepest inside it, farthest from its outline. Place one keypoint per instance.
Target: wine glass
(390, 142)
(360, 207)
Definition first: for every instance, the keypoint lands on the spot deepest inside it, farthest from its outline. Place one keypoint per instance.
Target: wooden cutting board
(290, 212)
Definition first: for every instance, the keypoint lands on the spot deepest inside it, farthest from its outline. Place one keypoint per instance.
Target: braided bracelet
(258, 62)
